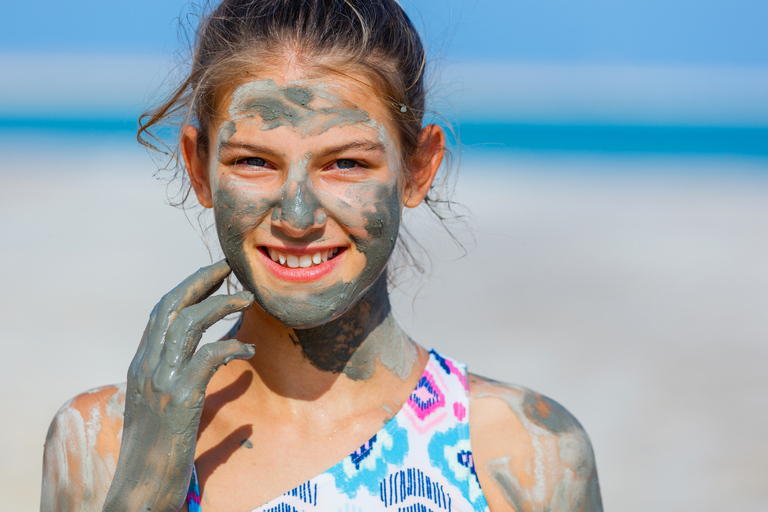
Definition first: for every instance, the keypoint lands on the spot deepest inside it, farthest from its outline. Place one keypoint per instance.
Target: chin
(307, 304)
(305, 310)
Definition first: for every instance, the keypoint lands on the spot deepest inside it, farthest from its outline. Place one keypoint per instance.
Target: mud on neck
(364, 335)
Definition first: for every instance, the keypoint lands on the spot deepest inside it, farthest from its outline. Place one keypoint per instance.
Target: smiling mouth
(301, 261)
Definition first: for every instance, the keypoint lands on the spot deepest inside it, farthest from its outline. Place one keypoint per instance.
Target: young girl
(304, 134)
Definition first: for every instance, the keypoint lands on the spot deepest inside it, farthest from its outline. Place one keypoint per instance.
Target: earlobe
(197, 168)
(424, 165)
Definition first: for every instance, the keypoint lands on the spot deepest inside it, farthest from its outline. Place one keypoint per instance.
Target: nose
(300, 212)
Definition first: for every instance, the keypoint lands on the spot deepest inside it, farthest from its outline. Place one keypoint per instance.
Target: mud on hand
(166, 389)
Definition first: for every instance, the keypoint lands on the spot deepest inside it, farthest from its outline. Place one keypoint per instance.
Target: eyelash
(244, 161)
(354, 163)
(255, 161)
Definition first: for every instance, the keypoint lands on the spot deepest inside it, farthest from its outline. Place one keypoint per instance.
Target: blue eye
(346, 164)
(254, 161)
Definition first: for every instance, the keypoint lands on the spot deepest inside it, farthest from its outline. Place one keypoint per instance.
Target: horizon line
(484, 136)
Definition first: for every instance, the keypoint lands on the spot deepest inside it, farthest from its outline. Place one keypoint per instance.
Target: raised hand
(166, 389)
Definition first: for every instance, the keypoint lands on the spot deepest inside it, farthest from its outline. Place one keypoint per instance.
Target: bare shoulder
(530, 453)
(81, 450)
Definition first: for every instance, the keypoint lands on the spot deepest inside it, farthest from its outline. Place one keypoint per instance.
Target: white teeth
(303, 261)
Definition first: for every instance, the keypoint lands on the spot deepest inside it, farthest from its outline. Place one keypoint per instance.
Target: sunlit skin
(314, 186)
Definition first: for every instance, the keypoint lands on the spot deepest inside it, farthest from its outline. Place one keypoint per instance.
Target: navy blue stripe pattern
(363, 452)
(282, 508)
(412, 482)
(414, 508)
(306, 492)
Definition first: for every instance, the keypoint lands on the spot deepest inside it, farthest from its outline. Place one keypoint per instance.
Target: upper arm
(531, 454)
(81, 451)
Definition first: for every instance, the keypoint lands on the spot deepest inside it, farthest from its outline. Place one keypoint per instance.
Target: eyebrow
(364, 145)
(263, 150)
(249, 147)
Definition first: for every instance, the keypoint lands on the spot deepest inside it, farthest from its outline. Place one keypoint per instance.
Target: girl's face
(307, 187)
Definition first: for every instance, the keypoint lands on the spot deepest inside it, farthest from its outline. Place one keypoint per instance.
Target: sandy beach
(631, 289)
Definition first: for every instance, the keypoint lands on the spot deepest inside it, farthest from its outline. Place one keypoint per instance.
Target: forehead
(313, 102)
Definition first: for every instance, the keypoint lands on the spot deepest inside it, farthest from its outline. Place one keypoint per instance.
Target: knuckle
(185, 326)
(209, 354)
(185, 319)
(229, 306)
(157, 384)
(188, 397)
(166, 305)
(214, 355)
(220, 307)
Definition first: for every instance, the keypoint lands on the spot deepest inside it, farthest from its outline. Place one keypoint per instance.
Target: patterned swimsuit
(420, 461)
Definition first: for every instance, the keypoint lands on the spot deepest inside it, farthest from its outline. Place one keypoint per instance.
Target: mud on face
(368, 211)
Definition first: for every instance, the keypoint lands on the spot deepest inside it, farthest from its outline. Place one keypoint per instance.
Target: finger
(191, 290)
(209, 358)
(194, 288)
(187, 329)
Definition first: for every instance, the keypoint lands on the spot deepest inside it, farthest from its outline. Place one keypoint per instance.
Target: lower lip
(301, 274)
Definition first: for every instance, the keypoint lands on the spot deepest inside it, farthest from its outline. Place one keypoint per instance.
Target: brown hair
(373, 37)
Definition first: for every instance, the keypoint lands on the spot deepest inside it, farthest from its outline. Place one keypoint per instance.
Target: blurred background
(613, 186)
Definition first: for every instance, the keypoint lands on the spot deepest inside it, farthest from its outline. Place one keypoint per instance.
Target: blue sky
(647, 31)
(651, 61)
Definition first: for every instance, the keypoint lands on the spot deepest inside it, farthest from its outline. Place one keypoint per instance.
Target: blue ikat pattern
(420, 461)
(368, 465)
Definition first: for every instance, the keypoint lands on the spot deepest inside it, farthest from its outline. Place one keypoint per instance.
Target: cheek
(348, 215)
(237, 211)
(374, 206)
(371, 214)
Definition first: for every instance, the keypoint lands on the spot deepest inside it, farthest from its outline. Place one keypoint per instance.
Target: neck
(364, 343)
(363, 335)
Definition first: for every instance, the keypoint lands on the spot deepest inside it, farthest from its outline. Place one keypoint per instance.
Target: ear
(197, 167)
(424, 164)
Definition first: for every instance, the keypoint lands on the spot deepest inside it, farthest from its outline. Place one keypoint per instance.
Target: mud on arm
(163, 401)
(530, 453)
(81, 451)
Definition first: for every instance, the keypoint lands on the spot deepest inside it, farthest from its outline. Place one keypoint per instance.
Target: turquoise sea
(747, 141)
(486, 136)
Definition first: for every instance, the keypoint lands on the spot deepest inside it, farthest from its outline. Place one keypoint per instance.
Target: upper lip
(301, 251)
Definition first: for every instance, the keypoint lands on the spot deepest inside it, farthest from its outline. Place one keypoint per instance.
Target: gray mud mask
(369, 211)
